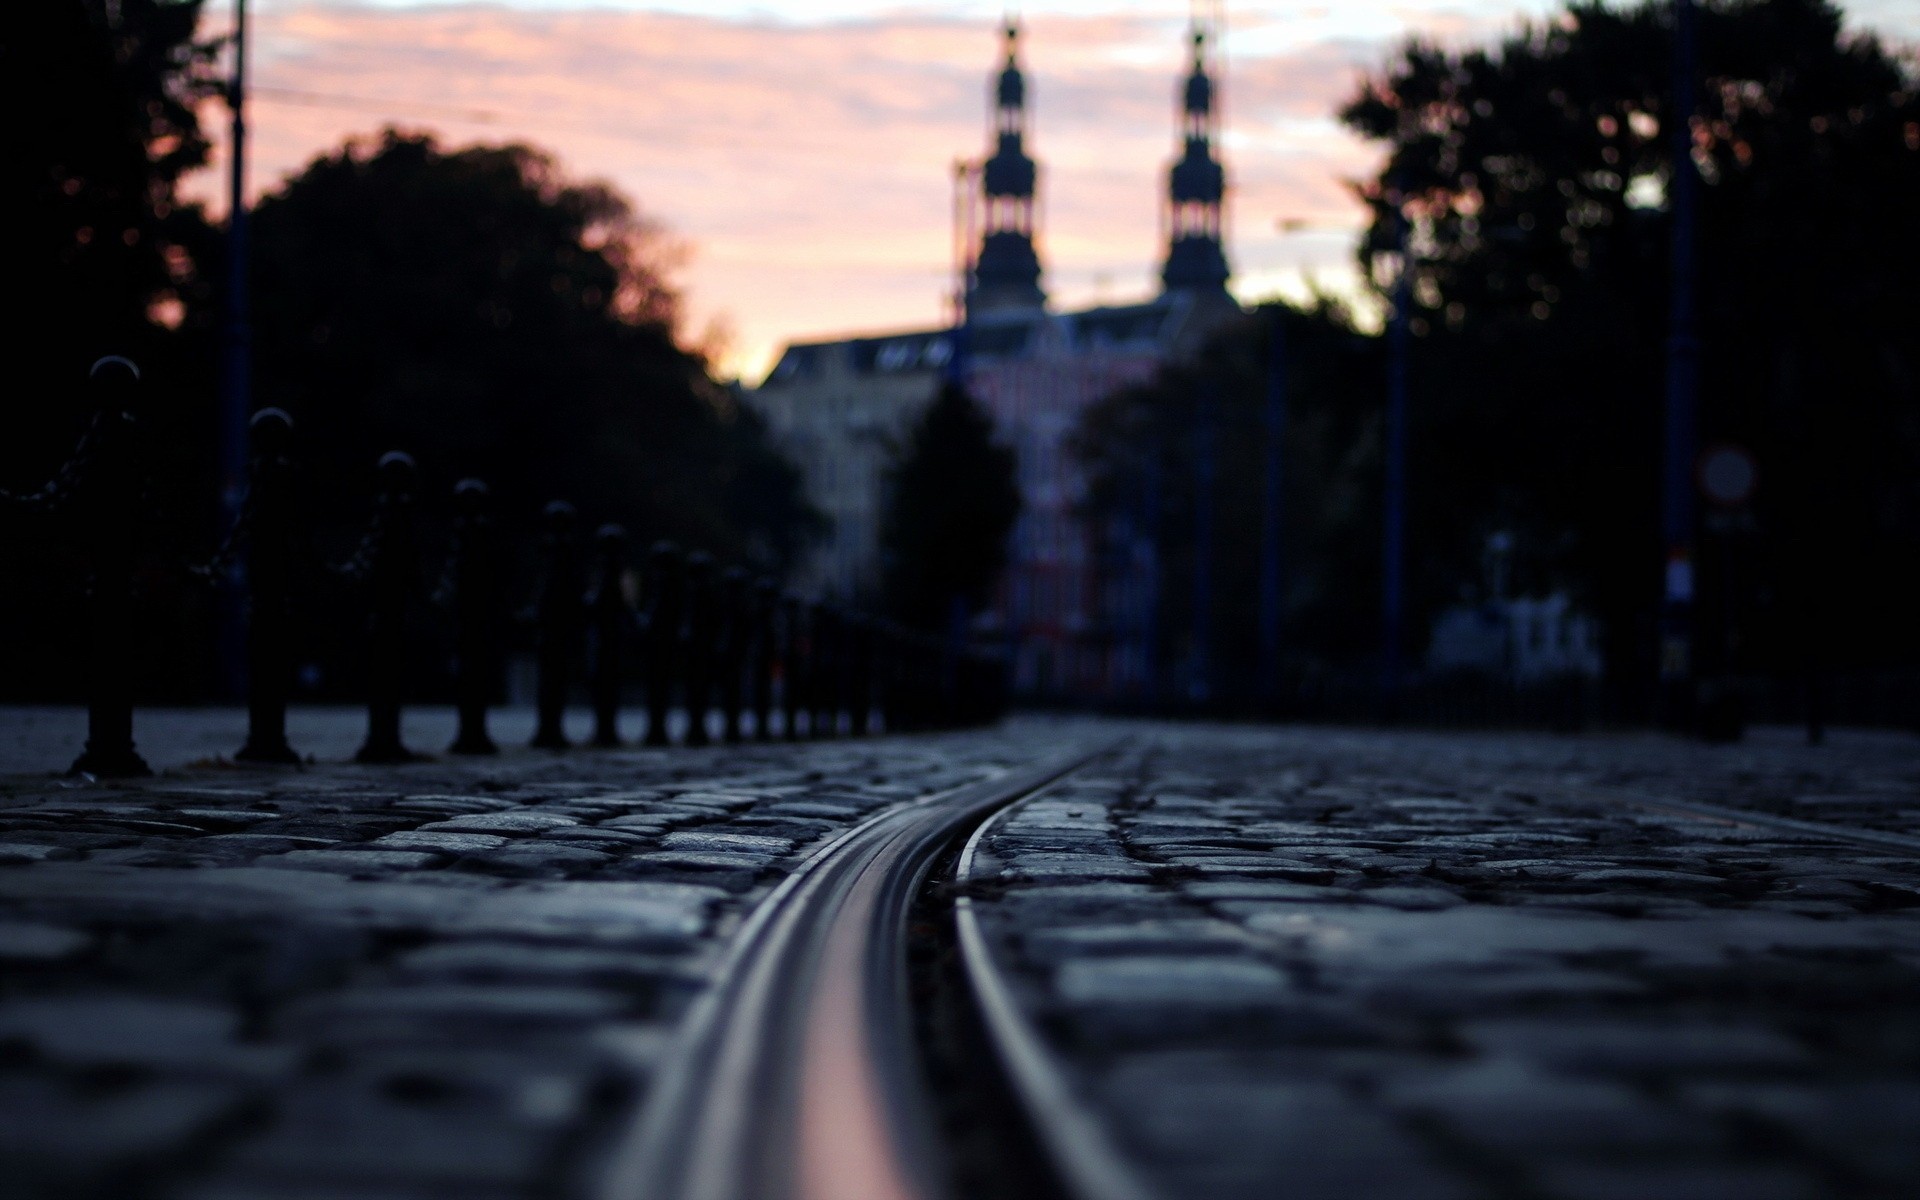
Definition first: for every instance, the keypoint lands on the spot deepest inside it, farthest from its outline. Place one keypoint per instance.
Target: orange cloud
(809, 165)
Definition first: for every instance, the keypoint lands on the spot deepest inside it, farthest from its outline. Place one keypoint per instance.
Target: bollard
(859, 646)
(764, 653)
(272, 515)
(823, 671)
(607, 613)
(108, 497)
(473, 574)
(666, 609)
(929, 682)
(886, 657)
(390, 567)
(731, 659)
(793, 666)
(702, 628)
(557, 621)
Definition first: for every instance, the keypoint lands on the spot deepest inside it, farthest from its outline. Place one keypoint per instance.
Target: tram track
(799, 1074)
(1699, 809)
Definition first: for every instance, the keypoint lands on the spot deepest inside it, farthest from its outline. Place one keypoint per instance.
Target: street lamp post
(236, 397)
(236, 401)
(1394, 492)
(1150, 515)
(1272, 501)
(1273, 490)
(1205, 471)
(1683, 380)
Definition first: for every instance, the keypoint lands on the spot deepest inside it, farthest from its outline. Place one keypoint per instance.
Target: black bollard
(794, 676)
(702, 629)
(764, 653)
(859, 660)
(273, 513)
(390, 567)
(666, 610)
(473, 572)
(557, 621)
(108, 500)
(823, 670)
(730, 659)
(607, 610)
(886, 656)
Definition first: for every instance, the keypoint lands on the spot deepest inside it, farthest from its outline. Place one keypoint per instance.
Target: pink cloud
(808, 166)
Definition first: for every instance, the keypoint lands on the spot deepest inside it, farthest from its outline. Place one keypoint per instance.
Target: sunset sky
(804, 150)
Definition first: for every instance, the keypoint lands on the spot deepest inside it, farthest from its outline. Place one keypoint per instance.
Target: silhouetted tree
(766, 495)
(952, 500)
(1138, 448)
(479, 309)
(100, 244)
(103, 257)
(1534, 176)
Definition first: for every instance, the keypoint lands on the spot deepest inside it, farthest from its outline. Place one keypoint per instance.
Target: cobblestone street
(1324, 963)
(1421, 965)
(443, 979)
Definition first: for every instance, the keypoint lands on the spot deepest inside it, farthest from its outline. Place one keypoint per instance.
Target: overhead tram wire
(298, 96)
(523, 121)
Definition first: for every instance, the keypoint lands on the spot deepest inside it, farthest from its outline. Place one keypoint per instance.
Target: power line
(476, 116)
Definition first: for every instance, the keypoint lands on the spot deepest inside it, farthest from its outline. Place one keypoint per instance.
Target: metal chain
(228, 552)
(360, 561)
(59, 490)
(446, 590)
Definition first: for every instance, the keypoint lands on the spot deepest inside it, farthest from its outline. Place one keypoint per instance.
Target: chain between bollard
(708, 639)
(72, 476)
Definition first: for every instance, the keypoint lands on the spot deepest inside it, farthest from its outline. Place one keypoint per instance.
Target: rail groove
(796, 1076)
(1880, 839)
(1087, 1164)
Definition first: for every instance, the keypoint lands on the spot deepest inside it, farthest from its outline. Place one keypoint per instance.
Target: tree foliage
(1140, 445)
(1534, 177)
(474, 307)
(1531, 175)
(101, 246)
(484, 312)
(952, 501)
(104, 258)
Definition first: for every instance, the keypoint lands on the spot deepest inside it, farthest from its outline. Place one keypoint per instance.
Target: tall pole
(1205, 468)
(1271, 509)
(1683, 383)
(236, 400)
(1150, 597)
(1394, 499)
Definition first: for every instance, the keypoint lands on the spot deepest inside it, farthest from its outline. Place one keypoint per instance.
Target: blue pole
(1205, 467)
(236, 402)
(1683, 381)
(1393, 550)
(1272, 511)
(1150, 597)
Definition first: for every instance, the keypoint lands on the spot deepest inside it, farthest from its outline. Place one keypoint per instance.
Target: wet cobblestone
(445, 979)
(1340, 964)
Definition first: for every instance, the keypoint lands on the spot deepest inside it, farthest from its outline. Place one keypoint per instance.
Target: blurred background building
(1072, 605)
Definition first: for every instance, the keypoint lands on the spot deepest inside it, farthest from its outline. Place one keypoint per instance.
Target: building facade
(1073, 609)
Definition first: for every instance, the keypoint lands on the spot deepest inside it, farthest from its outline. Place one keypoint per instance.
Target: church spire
(1006, 274)
(1196, 188)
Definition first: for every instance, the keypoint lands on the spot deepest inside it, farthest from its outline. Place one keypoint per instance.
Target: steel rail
(796, 1076)
(1085, 1159)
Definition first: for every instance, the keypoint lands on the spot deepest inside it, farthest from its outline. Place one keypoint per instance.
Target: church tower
(1006, 273)
(1196, 189)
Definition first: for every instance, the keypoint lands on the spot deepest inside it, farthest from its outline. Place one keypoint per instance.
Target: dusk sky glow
(804, 150)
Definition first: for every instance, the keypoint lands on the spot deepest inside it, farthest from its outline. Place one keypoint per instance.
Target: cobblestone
(450, 978)
(1349, 964)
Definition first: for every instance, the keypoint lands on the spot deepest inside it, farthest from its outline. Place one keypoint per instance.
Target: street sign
(1728, 475)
